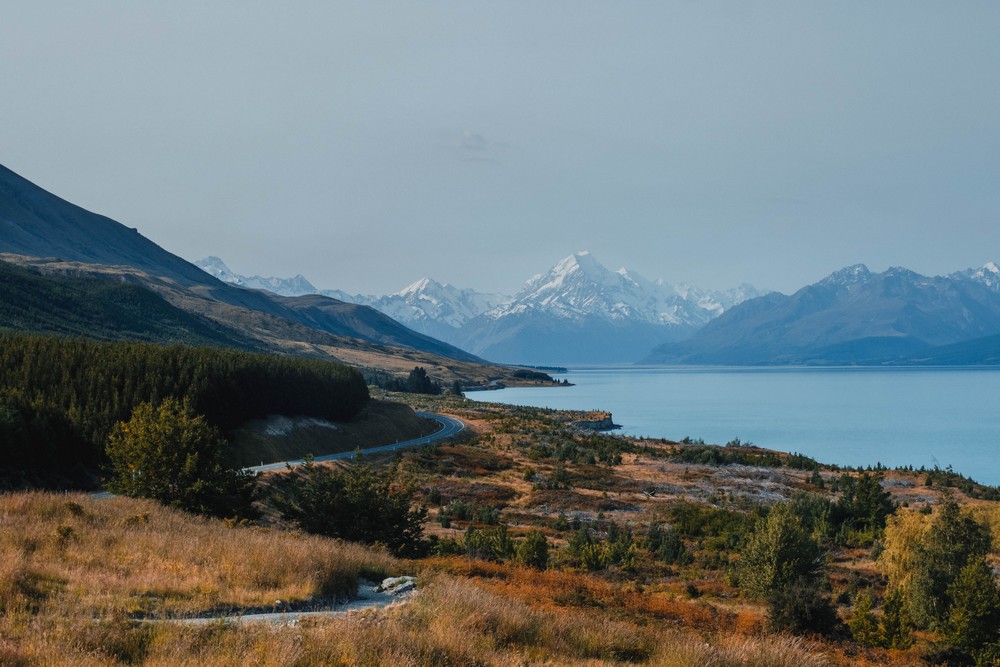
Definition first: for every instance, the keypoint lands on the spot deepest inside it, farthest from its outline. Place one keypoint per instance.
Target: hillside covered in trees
(60, 398)
(102, 310)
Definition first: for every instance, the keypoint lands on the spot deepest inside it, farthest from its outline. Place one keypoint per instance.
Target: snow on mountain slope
(216, 267)
(428, 306)
(296, 286)
(580, 286)
(988, 275)
(427, 299)
(855, 316)
(581, 312)
(578, 305)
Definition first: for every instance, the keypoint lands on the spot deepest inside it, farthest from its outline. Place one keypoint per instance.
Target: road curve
(449, 427)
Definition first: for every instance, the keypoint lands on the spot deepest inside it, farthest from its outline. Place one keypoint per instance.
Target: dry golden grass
(123, 555)
(66, 561)
(558, 590)
(451, 622)
(73, 570)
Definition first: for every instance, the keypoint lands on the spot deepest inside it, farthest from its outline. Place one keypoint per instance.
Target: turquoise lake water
(899, 416)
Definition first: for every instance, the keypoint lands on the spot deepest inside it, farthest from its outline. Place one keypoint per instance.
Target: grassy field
(79, 571)
(77, 575)
(80, 579)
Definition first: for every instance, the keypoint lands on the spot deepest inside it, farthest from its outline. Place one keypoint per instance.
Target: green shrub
(863, 623)
(974, 616)
(356, 504)
(778, 552)
(667, 546)
(172, 455)
(533, 550)
(493, 544)
(954, 540)
(801, 606)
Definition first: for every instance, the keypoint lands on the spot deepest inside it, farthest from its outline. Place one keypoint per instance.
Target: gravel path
(371, 595)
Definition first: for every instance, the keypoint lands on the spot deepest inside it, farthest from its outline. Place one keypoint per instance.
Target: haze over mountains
(576, 312)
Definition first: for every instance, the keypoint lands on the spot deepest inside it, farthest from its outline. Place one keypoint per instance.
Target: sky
(369, 144)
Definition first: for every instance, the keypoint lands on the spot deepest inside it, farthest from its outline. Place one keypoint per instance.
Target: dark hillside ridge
(347, 319)
(978, 352)
(37, 223)
(101, 310)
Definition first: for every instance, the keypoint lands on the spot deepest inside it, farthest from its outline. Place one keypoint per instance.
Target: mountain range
(855, 316)
(580, 312)
(576, 312)
(72, 272)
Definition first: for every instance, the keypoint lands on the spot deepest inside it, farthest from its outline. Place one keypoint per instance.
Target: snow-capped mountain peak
(429, 300)
(847, 276)
(295, 286)
(420, 286)
(579, 287)
(621, 313)
(988, 274)
(216, 267)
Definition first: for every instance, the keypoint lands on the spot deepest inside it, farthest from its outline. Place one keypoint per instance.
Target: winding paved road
(449, 427)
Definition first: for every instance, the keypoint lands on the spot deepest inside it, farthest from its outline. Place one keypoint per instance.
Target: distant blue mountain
(855, 316)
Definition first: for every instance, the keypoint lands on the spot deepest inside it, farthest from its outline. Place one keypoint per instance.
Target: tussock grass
(560, 589)
(73, 570)
(127, 556)
(734, 651)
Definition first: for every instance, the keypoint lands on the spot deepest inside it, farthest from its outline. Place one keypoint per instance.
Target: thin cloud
(473, 146)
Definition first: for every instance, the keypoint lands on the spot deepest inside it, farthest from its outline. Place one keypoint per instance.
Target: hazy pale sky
(368, 144)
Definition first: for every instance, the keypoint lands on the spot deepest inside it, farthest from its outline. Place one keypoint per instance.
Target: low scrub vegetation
(535, 544)
(354, 503)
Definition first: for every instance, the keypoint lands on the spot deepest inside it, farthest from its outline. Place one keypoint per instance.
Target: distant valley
(577, 312)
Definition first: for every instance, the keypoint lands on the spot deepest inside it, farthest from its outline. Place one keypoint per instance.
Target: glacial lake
(847, 416)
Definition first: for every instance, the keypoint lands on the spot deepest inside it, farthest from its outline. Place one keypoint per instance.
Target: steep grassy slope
(102, 310)
(37, 223)
(266, 331)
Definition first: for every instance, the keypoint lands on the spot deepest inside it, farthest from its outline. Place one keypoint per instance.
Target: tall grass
(131, 556)
(74, 572)
(451, 622)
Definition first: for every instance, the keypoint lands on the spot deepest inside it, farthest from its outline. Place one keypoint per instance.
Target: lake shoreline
(851, 416)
